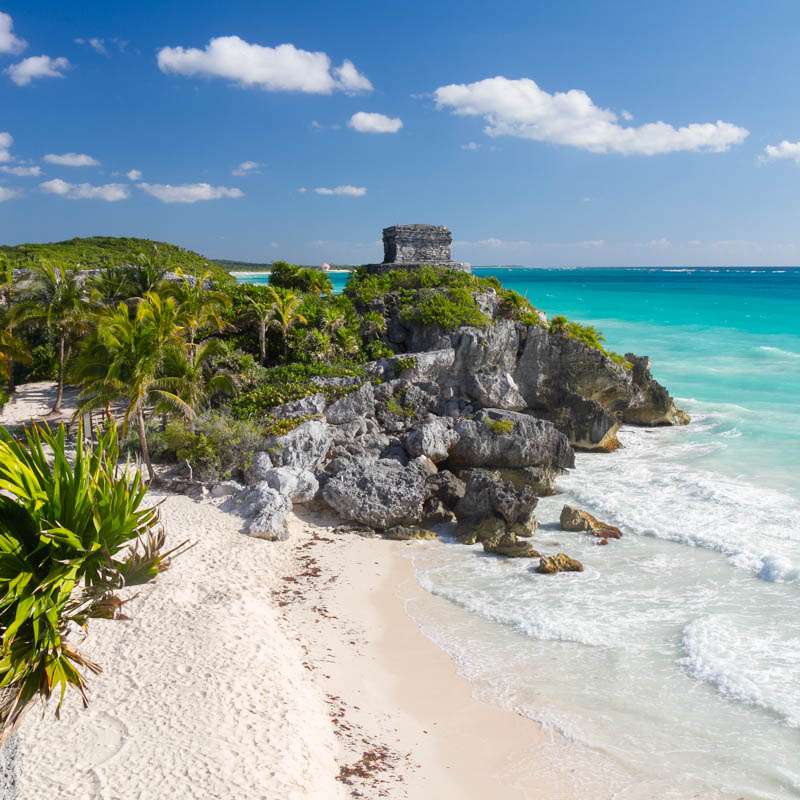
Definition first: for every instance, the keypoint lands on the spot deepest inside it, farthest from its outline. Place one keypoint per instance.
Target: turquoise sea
(671, 665)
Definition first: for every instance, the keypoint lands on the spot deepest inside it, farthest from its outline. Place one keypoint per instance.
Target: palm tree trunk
(60, 387)
(143, 443)
(262, 343)
(286, 345)
(11, 385)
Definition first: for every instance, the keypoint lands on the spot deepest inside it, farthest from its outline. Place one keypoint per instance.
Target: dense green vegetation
(587, 334)
(72, 533)
(106, 251)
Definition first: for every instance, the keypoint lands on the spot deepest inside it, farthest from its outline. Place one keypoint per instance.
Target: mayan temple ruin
(411, 246)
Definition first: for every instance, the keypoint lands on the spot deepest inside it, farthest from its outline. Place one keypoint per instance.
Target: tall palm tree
(197, 380)
(147, 274)
(133, 352)
(262, 311)
(11, 347)
(198, 307)
(57, 301)
(316, 282)
(284, 313)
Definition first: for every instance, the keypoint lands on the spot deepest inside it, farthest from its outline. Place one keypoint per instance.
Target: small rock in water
(574, 520)
(560, 562)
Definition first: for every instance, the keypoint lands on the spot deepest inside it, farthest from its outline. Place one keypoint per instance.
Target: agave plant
(71, 536)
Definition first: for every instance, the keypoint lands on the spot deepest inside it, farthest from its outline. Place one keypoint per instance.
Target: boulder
(311, 406)
(408, 532)
(266, 509)
(432, 439)
(509, 546)
(558, 563)
(352, 407)
(226, 488)
(380, 494)
(485, 497)
(586, 423)
(258, 468)
(496, 438)
(303, 448)
(446, 487)
(493, 388)
(300, 486)
(574, 520)
(436, 512)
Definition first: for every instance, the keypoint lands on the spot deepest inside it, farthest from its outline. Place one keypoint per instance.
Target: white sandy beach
(255, 669)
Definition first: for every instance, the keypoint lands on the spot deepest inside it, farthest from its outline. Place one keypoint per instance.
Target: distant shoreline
(268, 272)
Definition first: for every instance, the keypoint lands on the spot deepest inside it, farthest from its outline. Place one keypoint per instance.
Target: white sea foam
(756, 667)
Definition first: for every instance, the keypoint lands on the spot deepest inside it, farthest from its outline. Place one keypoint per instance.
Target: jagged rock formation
(558, 563)
(574, 520)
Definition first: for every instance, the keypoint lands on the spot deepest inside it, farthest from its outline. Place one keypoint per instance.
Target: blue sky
(530, 129)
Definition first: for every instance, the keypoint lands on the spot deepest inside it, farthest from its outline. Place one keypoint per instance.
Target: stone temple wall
(411, 246)
(416, 244)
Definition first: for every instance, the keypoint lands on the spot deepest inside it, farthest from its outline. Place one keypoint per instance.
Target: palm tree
(133, 352)
(198, 382)
(11, 347)
(198, 307)
(284, 313)
(316, 282)
(57, 301)
(147, 274)
(262, 311)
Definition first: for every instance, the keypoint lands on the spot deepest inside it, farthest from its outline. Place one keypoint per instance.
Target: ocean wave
(752, 667)
(664, 496)
(779, 351)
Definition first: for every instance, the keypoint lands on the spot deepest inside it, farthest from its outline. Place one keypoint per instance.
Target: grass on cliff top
(420, 303)
(94, 252)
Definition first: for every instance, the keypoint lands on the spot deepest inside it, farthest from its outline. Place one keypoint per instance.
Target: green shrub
(500, 427)
(394, 406)
(71, 535)
(283, 384)
(515, 307)
(377, 349)
(449, 310)
(410, 362)
(589, 335)
(280, 427)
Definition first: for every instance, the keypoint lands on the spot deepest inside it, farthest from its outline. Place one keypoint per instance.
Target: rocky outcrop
(354, 406)
(558, 563)
(300, 486)
(305, 447)
(404, 533)
(433, 439)
(265, 508)
(381, 494)
(574, 520)
(507, 544)
(485, 497)
(657, 407)
(259, 466)
(496, 438)
(311, 406)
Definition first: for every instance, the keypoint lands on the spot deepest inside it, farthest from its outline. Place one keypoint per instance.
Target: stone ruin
(412, 246)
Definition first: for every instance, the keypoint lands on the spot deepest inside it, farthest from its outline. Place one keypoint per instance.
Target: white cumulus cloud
(7, 194)
(348, 190)
(284, 68)
(188, 192)
(9, 43)
(6, 140)
(98, 45)
(71, 160)
(36, 67)
(110, 192)
(785, 149)
(247, 168)
(470, 146)
(134, 175)
(21, 171)
(520, 108)
(367, 122)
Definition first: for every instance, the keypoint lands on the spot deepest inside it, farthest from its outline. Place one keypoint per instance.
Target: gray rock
(379, 494)
(432, 439)
(310, 406)
(424, 466)
(226, 488)
(258, 468)
(303, 448)
(486, 497)
(446, 487)
(300, 486)
(352, 407)
(492, 388)
(269, 521)
(526, 442)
